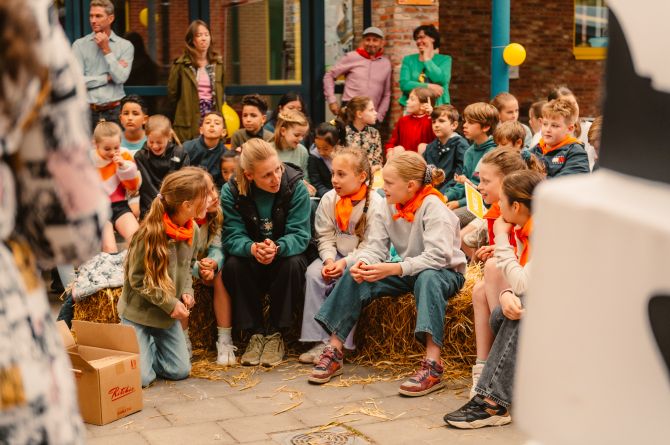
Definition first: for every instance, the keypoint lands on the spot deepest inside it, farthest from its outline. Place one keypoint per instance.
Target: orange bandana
(524, 238)
(345, 206)
(546, 149)
(407, 211)
(178, 233)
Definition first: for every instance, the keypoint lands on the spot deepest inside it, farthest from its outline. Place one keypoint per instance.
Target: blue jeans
(497, 379)
(431, 288)
(163, 352)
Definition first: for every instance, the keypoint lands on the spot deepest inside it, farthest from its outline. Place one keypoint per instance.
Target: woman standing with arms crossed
(195, 85)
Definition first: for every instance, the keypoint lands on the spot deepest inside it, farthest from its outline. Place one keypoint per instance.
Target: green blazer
(437, 70)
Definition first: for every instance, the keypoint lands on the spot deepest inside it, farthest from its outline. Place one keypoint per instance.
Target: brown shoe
(329, 366)
(424, 381)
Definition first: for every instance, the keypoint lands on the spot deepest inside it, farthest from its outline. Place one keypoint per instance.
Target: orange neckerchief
(407, 211)
(345, 206)
(546, 149)
(524, 238)
(178, 233)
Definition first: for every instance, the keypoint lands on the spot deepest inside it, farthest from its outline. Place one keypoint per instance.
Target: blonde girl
(341, 227)
(291, 128)
(162, 154)
(358, 117)
(508, 107)
(157, 289)
(425, 233)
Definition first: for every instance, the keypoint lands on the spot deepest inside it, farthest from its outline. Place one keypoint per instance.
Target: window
(590, 37)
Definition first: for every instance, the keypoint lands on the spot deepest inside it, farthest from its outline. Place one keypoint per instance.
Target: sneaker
(329, 365)
(476, 374)
(312, 356)
(189, 347)
(424, 381)
(273, 351)
(252, 356)
(226, 354)
(478, 413)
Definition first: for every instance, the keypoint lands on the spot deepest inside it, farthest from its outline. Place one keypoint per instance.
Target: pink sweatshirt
(364, 77)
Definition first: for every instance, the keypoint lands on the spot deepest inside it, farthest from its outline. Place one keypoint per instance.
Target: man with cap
(367, 73)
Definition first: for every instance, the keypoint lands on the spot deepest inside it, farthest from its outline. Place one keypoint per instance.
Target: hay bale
(99, 307)
(202, 322)
(385, 332)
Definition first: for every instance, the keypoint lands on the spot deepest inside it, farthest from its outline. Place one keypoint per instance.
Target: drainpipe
(500, 24)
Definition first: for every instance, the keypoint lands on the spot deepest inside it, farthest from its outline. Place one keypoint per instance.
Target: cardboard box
(105, 360)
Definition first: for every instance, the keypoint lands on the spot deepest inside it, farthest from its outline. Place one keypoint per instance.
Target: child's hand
(422, 148)
(427, 108)
(208, 264)
(453, 205)
(188, 300)
(206, 274)
(462, 179)
(501, 226)
(327, 267)
(180, 312)
(357, 273)
(335, 269)
(511, 305)
(379, 271)
(117, 159)
(310, 188)
(484, 253)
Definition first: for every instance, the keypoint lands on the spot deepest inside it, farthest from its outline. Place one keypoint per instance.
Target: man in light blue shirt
(106, 60)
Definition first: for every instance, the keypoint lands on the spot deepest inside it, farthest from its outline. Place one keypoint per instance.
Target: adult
(195, 84)
(266, 231)
(107, 60)
(51, 204)
(367, 73)
(427, 68)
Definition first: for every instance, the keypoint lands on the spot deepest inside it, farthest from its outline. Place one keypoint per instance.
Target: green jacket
(183, 95)
(208, 249)
(437, 70)
(471, 159)
(153, 309)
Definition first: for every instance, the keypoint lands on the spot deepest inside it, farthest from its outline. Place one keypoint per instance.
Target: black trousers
(248, 282)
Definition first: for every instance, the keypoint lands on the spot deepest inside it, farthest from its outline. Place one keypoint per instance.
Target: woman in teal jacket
(427, 68)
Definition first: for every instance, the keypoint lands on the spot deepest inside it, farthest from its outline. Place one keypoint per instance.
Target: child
(266, 232)
(481, 120)
(508, 107)
(206, 150)
(341, 227)
(426, 236)
(229, 161)
(509, 134)
(290, 101)
(119, 176)
(208, 269)
(157, 289)
(561, 153)
(494, 167)
(162, 154)
(133, 117)
(320, 164)
(254, 114)
(535, 121)
(358, 117)
(494, 391)
(594, 139)
(415, 128)
(292, 126)
(446, 152)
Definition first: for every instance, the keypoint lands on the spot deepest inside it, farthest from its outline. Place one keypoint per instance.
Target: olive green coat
(183, 96)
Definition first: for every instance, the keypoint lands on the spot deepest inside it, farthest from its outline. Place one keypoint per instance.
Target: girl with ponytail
(341, 229)
(358, 118)
(425, 233)
(156, 291)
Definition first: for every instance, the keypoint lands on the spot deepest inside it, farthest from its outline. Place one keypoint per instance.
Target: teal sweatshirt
(294, 241)
(437, 70)
(470, 163)
(213, 250)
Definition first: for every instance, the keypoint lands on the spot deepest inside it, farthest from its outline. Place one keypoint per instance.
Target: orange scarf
(178, 233)
(546, 149)
(345, 206)
(407, 211)
(524, 238)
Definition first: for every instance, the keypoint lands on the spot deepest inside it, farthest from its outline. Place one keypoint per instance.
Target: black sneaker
(477, 413)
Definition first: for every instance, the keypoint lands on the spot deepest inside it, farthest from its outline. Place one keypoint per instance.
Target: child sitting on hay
(341, 228)
(494, 390)
(426, 235)
(156, 293)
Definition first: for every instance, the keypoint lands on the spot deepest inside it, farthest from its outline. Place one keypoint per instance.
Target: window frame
(584, 53)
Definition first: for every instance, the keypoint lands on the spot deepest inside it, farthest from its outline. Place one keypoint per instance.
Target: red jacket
(410, 131)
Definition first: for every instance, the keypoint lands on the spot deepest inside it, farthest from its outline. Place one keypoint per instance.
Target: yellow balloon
(231, 118)
(514, 54)
(144, 17)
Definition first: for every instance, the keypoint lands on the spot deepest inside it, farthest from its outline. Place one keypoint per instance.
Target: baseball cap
(374, 30)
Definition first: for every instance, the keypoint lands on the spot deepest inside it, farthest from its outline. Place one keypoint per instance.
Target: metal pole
(500, 25)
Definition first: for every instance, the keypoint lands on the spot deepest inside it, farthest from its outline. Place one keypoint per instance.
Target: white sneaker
(189, 347)
(312, 356)
(476, 374)
(226, 354)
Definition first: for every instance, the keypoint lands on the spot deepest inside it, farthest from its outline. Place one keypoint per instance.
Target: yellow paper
(475, 201)
(377, 180)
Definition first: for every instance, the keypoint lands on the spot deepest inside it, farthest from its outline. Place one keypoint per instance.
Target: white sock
(225, 335)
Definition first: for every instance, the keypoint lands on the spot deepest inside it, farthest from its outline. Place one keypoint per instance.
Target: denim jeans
(431, 288)
(163, 352)
(497, 379)
(316, 293)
